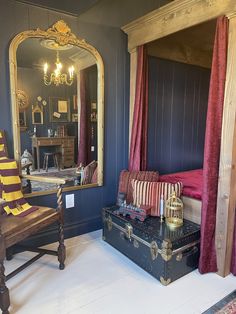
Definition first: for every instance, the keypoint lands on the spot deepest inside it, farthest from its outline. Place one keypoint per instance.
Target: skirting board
(70, 230)
(192, 209)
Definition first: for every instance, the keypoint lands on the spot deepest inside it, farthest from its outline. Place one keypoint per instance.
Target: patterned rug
(225, 306)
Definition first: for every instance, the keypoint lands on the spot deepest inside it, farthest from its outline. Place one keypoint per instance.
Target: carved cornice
(175, 16)
(231, 15)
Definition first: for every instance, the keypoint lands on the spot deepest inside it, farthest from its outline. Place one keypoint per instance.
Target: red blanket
(192, 182)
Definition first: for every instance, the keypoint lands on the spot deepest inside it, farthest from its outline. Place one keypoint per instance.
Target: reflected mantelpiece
(74, 106)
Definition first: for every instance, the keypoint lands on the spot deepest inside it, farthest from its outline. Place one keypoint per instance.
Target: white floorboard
(99, 280)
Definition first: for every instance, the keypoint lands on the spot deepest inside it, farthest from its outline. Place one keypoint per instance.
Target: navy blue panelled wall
(178, 97)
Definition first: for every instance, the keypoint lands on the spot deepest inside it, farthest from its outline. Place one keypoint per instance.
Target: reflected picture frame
(59, 109)
(37, 114)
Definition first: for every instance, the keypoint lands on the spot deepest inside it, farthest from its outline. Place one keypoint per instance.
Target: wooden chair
(54, 155)
(14, 229)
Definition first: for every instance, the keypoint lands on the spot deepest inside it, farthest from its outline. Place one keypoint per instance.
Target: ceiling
(193, 45)
(113, 13)
(74, 7)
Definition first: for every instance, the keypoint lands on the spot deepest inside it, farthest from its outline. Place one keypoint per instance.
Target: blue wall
(178, 97)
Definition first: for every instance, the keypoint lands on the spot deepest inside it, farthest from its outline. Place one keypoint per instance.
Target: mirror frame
(61, 34)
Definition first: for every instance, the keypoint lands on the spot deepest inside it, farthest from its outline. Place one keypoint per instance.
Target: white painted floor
(100, 280)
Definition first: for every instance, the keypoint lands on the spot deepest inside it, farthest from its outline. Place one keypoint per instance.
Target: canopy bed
(174, 17)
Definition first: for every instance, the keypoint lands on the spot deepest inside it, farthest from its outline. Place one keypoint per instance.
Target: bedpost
(227, 172)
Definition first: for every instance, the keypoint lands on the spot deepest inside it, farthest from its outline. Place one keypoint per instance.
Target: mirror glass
(57, 95)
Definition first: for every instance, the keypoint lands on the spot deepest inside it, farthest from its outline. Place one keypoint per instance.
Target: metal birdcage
(174, 211)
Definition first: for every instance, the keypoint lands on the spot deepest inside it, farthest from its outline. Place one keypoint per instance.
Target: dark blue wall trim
(178, 96)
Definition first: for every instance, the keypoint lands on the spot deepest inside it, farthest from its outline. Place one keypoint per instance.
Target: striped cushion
(95, 176)
(88, 172)
(149, 193)
(126, 178)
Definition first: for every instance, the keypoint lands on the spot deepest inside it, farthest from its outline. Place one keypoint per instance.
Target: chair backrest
(126, 177)
(3, 144)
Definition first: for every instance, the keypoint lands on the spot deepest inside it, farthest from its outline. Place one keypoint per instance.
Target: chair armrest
(53, 180)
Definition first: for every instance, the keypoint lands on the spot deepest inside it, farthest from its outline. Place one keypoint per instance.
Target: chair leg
(57, 162)
(54, 161)
(4, 292)
(9, 254)
(61, 251)
(46, 163)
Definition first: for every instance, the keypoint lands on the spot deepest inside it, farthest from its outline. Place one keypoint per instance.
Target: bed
(192, 191)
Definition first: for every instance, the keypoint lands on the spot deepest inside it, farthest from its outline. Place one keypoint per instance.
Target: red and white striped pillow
(88, 172)
(149, 193)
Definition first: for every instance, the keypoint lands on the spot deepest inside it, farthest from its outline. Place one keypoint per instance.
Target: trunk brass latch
(109, 223)
(128, 231)
(154, 250)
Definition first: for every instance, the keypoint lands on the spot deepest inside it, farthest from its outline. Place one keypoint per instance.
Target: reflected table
(65, 146)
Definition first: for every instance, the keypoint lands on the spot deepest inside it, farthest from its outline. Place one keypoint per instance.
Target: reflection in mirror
(61, 116)
(37, 114)
(22, 120)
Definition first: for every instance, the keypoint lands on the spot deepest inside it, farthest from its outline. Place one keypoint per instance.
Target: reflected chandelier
(57, 78)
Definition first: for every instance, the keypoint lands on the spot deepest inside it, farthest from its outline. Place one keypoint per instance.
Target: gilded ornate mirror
(62, 77)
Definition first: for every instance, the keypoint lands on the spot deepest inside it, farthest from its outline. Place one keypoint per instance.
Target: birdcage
(174, 211)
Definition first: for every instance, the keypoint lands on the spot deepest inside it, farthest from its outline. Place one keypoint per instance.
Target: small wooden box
(165, 254)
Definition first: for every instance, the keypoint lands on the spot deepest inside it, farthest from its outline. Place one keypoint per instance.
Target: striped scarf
(10, 189)
(10, 185)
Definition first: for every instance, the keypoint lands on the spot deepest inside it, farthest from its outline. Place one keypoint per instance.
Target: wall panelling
(178, 95)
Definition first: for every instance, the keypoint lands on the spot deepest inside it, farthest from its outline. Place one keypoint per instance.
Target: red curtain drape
(138, 145)
(82, 149)
(207, 261)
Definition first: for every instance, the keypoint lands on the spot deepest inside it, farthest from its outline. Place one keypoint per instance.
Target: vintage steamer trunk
(165, 254)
